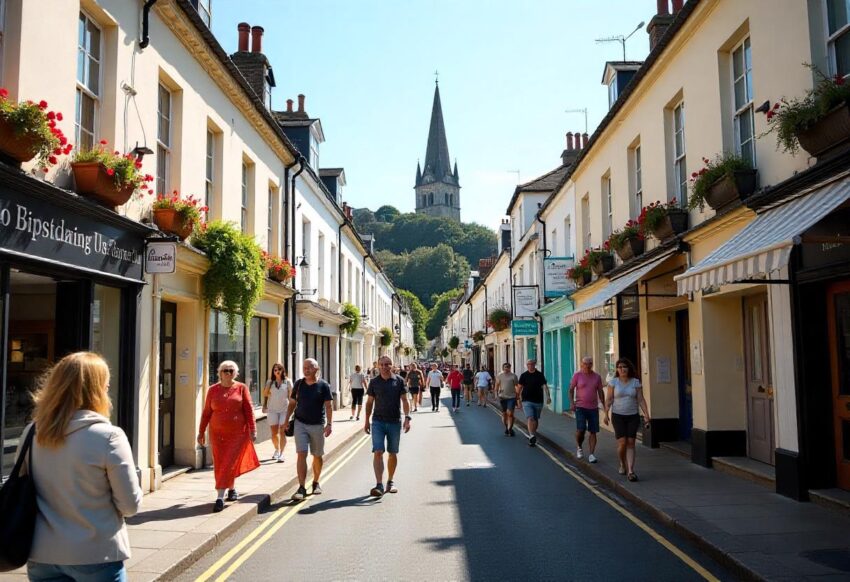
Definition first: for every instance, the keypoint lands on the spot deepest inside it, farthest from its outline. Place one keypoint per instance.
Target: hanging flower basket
(737, 186)
(603, 264)
(28, 130)
(92, 181)
(828, 135)
(582, 278)
(664, 220)
(21, 148)
(169, 220)
(631, 248)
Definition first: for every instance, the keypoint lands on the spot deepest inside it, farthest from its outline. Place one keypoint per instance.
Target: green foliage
(439, 312)
(630, 231)
(478, 336)
(387, 213)
(499, 318)
(725, 164)
(125, 169)
(652, 215)
(352, 312)
(234, 281)
(419, 315)
(34, 122)
(445, 353)
(454, 342)
(386, 336)
(426, 271)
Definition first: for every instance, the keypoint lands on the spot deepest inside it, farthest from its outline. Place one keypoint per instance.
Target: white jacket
(84, 488)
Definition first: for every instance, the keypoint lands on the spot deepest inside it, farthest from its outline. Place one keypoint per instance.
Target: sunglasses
(228, 371)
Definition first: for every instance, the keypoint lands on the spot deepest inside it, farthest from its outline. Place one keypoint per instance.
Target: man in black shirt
(529, 393)
(312, 402)
(468, 376)
(387, 395)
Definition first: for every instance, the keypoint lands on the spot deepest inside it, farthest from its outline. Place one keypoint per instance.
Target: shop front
(558, 351)
(71, 275)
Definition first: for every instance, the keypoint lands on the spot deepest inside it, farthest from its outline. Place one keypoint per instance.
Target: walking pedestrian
(229, 413)
(454, 380)
(374, 371)
(312, 403)
(531, 389)
(275, 403)
(435, 384)
(415, 380)
(483, 381)
(468, 379)
(585, 396)
(387, 395)
(357, 387)
(403, 372)
(84, 475)
(506, 383)
(624, 398)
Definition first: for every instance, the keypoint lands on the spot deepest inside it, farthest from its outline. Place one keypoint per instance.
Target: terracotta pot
(631, 248)
(169, 220)
(828, 136)
(92, 181)
(727, 189)
(583, 279)
(21, 148)
(603, 265)
(675, 222)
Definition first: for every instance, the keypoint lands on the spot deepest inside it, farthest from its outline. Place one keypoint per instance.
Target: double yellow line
(245, 549)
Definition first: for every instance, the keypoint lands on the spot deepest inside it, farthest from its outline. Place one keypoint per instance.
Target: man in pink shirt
(585, 395)
(454, 380)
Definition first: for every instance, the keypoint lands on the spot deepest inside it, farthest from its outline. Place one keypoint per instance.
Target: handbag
(18, 508)
(290, 428)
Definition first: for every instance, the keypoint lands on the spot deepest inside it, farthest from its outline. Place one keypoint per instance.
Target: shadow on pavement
(362, 501)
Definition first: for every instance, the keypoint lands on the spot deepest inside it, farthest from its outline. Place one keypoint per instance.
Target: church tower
(437, 185)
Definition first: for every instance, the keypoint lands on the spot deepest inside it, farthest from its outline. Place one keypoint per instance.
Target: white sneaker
(591, 458)
(276, 455)
(579, 453)
(280, 458)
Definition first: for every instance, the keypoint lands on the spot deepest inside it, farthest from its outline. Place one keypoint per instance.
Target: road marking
(277, 519)
(626, 513)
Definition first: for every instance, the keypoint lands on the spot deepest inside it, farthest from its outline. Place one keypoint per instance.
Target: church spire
(437, 161)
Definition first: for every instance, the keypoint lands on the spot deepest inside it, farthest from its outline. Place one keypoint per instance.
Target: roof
(437, 160)
(548, 182)
(619, 66)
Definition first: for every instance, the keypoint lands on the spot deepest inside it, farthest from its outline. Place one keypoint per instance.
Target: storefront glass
(318, 347)
(106, 335)
(249, 349)
(605, 349)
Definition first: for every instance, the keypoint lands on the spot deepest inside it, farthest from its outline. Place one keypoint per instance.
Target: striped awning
(764, 246)
(594, 306)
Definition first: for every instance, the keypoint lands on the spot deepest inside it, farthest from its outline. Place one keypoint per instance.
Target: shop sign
(35, 228)
(524, 327)
(828, 242)
(555, 274)
(161, 257)
(526, 301)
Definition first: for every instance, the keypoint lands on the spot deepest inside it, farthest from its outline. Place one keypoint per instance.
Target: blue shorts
(587, 419)
(532, 409)
(507, 404)
(100, 572)
(385, 431)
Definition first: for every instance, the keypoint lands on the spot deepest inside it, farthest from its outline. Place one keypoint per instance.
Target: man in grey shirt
(506, 383)
(387, 395)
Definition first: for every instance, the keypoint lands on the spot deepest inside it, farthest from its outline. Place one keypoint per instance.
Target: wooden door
(760, 440)
(167, 376)
(838, 305)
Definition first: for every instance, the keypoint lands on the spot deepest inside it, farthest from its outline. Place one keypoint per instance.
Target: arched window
(446, 198)
(451, 200)
(431, 199)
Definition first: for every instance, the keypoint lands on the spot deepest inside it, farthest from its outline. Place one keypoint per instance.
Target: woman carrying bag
(84, 474)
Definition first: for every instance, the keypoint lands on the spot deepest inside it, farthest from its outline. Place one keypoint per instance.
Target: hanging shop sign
(555, 274)
(526, 302)
(33, 227)
(161, 257)
(524, 327)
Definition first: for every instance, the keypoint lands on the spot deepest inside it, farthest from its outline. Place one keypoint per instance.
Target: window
(742, 81)
(567, 236)
(270, 220)
(163, 139)
(612, 92)
(2, 33)
(585, 221)
(204, 10)
(267, 92)
(318, 347)
(638, 177)
(838, 40)
(244, 215)
(88, 82)
(314, 153)
(249, 349)
(209, 185)
(680, 170)
(609, 205)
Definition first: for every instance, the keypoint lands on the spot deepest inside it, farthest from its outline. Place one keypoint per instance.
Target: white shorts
(276, 418)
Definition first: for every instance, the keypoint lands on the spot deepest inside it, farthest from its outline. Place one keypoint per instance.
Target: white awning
(594, 307)
(764, 246)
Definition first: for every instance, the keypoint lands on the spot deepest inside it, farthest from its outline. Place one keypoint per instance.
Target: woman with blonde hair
(229, 413)
(84, 474)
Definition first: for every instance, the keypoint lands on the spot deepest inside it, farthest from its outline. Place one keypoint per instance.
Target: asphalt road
(472, 504)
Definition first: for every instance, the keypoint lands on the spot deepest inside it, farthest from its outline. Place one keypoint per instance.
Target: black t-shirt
(532, 386)
(311, 399)
(402, 373)
(387, 395)
(468, 375)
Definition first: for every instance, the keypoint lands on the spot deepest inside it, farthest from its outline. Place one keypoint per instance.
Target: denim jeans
(455, 398)
(105, 572)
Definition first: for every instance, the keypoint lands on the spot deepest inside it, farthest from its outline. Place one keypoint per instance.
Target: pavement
(176, 526)
(751, 530)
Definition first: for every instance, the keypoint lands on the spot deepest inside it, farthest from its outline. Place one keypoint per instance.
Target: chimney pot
(677, 5)
(569, 140)
(662, 6)
(244, 28)
(257, 39)
(583, 141)
(301, 103)
(289, 103)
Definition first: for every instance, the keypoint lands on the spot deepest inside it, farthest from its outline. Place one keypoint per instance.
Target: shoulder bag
(18, 508)
(290, 429)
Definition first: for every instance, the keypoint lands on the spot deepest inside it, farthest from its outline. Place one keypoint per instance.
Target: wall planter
(737, 186)
(630, 248)
(21, 148)
(673, 223)
(92, 181)
(829, 135)
(169, 220)
(583, 278)
(603, 264)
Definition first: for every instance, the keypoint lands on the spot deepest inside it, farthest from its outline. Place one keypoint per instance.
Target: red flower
(51, 116)
(839, 80)
(103, 142)
(59, 116)
(4, 93)
(52, 159)
(42, 104)
(110, 172)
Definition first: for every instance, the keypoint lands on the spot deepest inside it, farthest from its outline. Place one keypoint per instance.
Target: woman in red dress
(229, 413)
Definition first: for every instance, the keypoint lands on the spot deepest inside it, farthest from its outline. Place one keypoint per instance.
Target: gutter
(301, 165)
(545, 246)
(146, 12)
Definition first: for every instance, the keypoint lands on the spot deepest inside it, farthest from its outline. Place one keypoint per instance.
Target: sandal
(632, 477)
(621, 470)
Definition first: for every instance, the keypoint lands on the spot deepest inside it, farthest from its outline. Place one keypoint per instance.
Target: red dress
(229, 413)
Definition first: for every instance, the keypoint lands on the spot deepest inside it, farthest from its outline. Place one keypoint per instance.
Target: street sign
(161, 257)
(523, 327)
(555, 275)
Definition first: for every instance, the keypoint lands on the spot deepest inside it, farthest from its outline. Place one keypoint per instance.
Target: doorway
(686, 406)
(629, 337)
(491, 359)
(838, 308)
(167, 376)
(759, 385)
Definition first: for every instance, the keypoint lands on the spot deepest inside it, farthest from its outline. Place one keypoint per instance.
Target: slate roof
(437, 160)
(548, 182)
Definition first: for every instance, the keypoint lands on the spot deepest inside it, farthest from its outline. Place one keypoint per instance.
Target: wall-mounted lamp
(303, 261)
(141, 151)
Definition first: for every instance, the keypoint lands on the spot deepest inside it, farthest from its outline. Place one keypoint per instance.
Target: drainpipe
(339, 300)
(287, 254)
(146, 10)
(540, 350)
(511, 285)
(302, 163)
(545, 247)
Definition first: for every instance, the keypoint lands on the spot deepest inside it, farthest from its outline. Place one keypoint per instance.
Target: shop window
(605, 349)
(106, 335)
(89, 50)
(838, 36)
(318, 347)
(249, 349)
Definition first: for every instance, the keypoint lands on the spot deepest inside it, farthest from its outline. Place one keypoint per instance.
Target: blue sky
(508, 71)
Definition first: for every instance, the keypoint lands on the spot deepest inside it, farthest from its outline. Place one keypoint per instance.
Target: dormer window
(267, 92)
(314, 153)
(204, 8)
(612, 92)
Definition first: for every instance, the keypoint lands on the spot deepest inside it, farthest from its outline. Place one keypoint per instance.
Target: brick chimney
(253, 64)
(257, 39)
(662, 20)
(289, 103)
(244, 28)
(574, 147)
(301, 103)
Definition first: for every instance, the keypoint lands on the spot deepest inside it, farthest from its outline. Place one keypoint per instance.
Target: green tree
(477, 242)
(387, 213)
(433, 270)
(439, 312)
(362, 217)
(419, 315)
